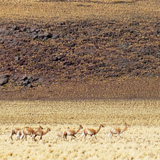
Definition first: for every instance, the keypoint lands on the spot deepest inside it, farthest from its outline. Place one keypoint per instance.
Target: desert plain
(67, 63)
(139, 141)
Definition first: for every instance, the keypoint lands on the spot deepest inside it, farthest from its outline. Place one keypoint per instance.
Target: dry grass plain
(140, 141)
(61, 10)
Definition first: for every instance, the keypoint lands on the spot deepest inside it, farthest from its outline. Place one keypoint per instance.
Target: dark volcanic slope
(79, 51)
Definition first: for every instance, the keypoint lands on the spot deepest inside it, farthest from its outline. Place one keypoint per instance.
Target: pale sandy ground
(139, 142)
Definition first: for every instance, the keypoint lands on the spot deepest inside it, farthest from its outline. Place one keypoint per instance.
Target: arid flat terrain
(139, 141)
(65, 63)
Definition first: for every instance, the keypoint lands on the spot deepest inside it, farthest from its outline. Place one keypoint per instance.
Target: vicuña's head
(81, 126)
(48, 129)
(127, 125)
(40, 127)
(101, 125)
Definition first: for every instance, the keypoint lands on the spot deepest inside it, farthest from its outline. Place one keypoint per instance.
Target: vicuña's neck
(46, 132)
(125, 128)
(78, 130)
(98, 129)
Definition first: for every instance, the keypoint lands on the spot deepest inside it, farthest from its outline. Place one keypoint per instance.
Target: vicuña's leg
(33, 137)
(65, 137)
(83, 135)
(73, 137)
(40, 137)
(17, 137)
(11, 137)
(109, 135)
(119, 136)
(91, 137)
(57, 138)
(22, 135)
(25, 136)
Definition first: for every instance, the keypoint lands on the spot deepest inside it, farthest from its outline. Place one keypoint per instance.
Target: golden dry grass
(75, 10)
(140, 141)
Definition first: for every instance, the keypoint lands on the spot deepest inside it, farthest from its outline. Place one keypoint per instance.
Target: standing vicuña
(27, 131)
(15, 131)
(71, 133)
(59, 135)
(41, 133)
(91, 132)
(117, 130)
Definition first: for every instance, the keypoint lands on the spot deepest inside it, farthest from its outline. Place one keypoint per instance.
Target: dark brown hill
(88, 52)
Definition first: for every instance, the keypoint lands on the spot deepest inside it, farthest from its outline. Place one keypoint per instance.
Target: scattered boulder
(158, 53)
(42, 36)
(17, 58)
(15, 27)
(62, 23)
(58, 57)
(48, 35)
(55, 36)
(3, 79)
(27, 81)
(79, 50)
(156, 32)
(34, 37)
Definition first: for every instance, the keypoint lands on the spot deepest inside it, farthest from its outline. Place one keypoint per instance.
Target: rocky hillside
(78, 51)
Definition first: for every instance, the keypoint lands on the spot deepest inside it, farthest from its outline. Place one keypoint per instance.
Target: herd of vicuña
(40, 131)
